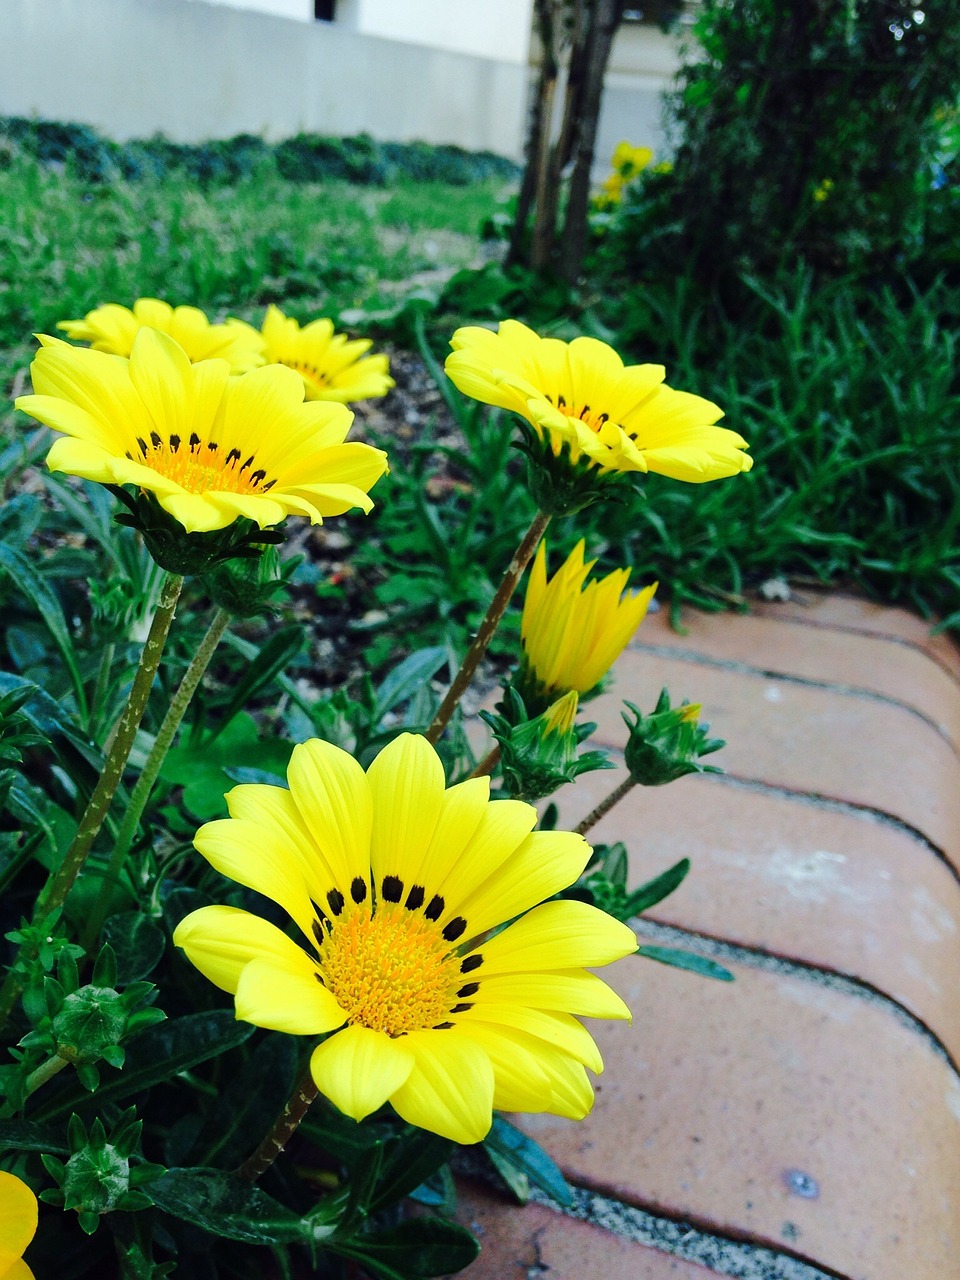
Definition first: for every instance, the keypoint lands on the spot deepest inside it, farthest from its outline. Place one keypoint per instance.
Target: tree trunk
(538, 129)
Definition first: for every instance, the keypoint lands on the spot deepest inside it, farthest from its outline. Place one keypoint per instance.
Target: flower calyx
(668, 743)
(248, 586)
(540, 754)
(562, 487)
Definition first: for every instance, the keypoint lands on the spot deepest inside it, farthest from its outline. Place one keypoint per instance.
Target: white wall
(301, 10)
(193, 71)
(497, 29)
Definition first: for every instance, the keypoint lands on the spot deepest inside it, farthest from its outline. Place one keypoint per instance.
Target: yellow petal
(274, 807)
(545, 863)
(18, 1215)
(569, 992)
(520, 1082)
(561, 1031)
(501, 830)
(359, 1069)
(450, 1090)
(558, 935)
(283, 998)
(332, 795)
(221, 942)
(407, 785)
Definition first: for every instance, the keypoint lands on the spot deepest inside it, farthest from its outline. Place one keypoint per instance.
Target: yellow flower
(395, 882)
(18, 1224)
(581, 395)
(572, 634)
(113, 328)
(628, 160)
(332, 366)
(210, 447)
(822, 192)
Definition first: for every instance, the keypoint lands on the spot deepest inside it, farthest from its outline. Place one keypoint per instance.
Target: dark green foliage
(805, 131)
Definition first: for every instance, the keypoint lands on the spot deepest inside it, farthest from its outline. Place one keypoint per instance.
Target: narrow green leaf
(528, 1157)
(159, 1053)
(222, 1205)
(658, 888)
(419, 1247)
(27, 1135)
(138, 944)
(407, 679)
(408, 1161)
(279, 650)
(679, 959)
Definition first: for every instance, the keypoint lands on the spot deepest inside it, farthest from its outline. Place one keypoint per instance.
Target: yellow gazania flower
(572, 634)
(209, 446)
(18, 1225)
(628, 160)
(113, 329)
(396, 882)
(580, 394)
(333, 367)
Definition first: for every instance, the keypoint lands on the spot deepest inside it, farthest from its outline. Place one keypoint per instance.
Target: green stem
(282, 1131)
(488, 626)
(54, 893)
(154, 763)
(605, 805)
(46, 1071)
(101, 687)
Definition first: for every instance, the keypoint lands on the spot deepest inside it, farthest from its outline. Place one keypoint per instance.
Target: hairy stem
(281, 1133)
(488, 626)
(488, 763)
(605, 805)
(54, 893)
(46, 1071)
(154, 763)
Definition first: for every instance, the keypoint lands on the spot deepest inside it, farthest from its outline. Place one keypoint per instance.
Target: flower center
(392, 971)
(590, 417)
(202, 468)
(316, 377)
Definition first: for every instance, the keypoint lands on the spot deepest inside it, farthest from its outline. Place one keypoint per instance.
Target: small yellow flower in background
(18, 1225)
(113, 329)
(395, 882)
(333, 367)
(581, 395)
(210, 447)
(572, 634)
(822, 192)
(628, 160)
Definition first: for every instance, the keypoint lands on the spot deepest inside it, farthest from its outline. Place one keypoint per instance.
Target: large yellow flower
(113, 328)
(396, 883)
(614, 416)
(333, 367)
(572, 634)
(18, 1225)
(209, 446)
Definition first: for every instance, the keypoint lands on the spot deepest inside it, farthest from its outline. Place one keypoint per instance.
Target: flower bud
(537, 756)
(667, 744)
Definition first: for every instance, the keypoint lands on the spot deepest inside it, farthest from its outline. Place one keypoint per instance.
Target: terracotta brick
(775, 1110)
(835, 610)
(844, 746)
(872, 663)
(840, 890)
(517, 1243)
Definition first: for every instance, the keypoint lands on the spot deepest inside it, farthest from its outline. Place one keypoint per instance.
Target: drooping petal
(221, 942)
(274, 995)
(561, 1031)
(450, 1090)
(359, 1069)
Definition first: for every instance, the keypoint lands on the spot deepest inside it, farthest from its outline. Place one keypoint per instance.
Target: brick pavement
(803, 1121)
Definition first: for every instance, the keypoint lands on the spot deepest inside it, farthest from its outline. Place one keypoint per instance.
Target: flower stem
(488, 626)
(46, 1071)
(54, 893)
(488, 763)
(605, 805)
(282, 1131)
(154, 763)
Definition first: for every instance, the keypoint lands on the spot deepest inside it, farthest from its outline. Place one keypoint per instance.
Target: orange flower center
(203, 468)
(392, 971)
(309, 372)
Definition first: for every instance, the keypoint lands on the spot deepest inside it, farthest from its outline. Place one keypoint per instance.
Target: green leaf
(506, 1144)
(200, 767)
(679, 959)
(26, 1135)
(420, 1247)
(408, 1161)
(138, 944)
(159, 1053)
(247, 1102)
(658, 888)
(26, 578)
(406, 679)
(219, 1203)
(282, 647)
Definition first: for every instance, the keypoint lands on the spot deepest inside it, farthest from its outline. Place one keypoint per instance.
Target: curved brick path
(803, 1121)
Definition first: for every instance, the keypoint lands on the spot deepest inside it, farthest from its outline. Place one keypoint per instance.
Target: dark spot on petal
(561, 402)
(174, 443)
(455, 928)
(415, 898)
(155, 440)
(318, 932)
(212, 446)
(358, 889)
(603, 419)
(461, 1008)
(319, 978)
(257, 477)
(470, 963)
(335, 898)
(233, 456)
(269, 485)
(443, 1026)
(435, 907)
(470, 989)
(143, 445)
(392, 888)
(194, 441)
(248, 462)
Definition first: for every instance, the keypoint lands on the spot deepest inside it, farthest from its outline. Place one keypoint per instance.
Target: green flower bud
(246, 587)
(668, 743)
(538, 756)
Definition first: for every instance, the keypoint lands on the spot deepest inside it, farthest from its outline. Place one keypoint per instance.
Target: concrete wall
(497, 29)
(194, 71)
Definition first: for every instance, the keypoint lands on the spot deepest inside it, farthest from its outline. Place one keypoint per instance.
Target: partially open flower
(571, 633)
(395, 883)
(209, 447)
(333, 366)
(584, 403)
(113, 329)
(18, 1224)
